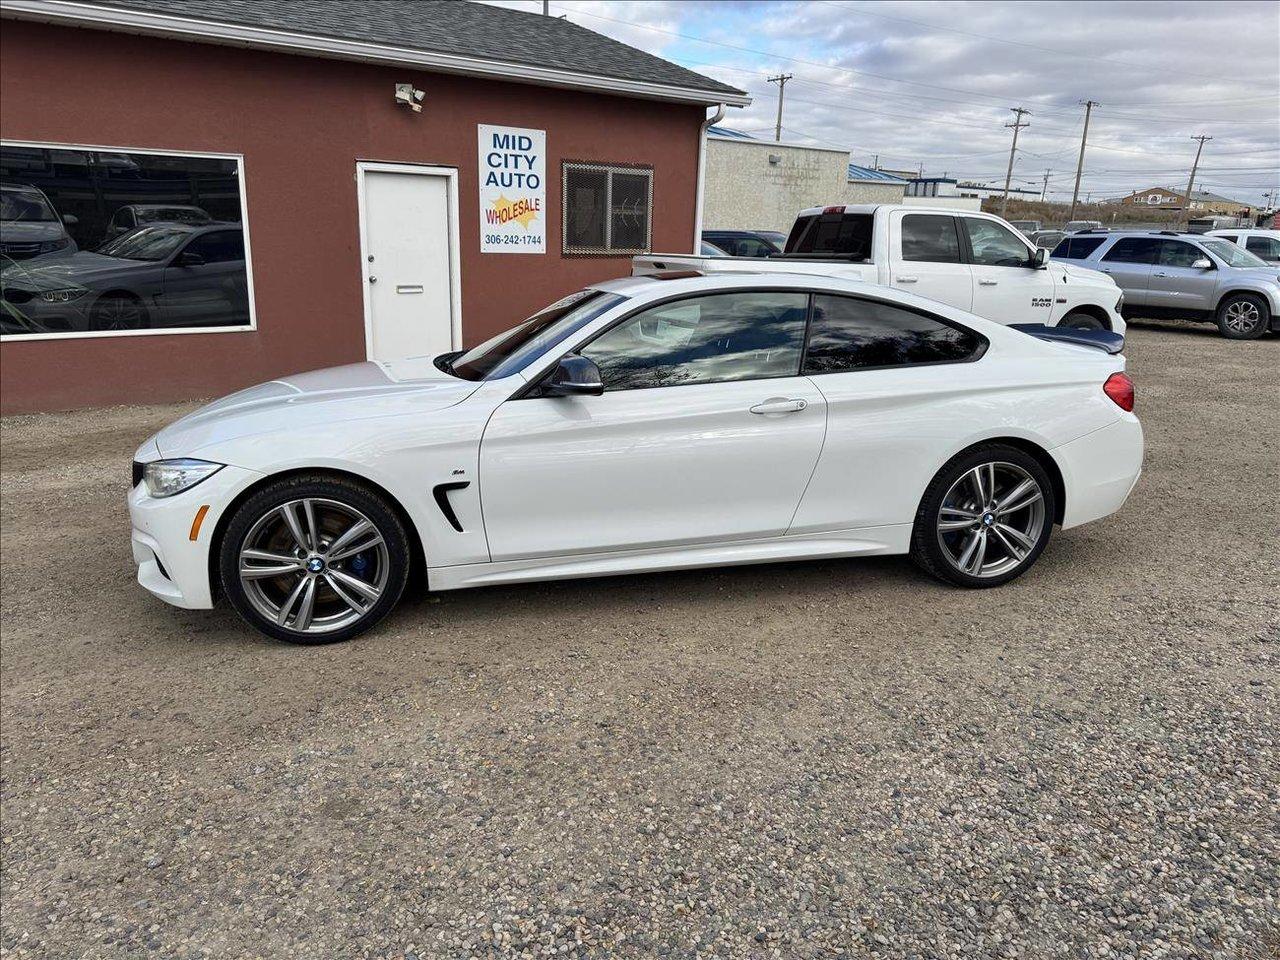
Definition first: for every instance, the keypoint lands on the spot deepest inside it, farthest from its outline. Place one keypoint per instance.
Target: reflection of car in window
(157, 276)
(29, 225)
(138, 214)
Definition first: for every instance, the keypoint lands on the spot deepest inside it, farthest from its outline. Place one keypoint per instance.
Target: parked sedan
(1183, 276)
(642, 424)
(163, 275)
(30, 227)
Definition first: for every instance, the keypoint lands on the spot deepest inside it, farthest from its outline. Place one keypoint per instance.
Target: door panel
(1005, 289)
(926, 259)
(212, 293)
(407, 264)
(1175, 284)
(632, 469)
(1128, 263)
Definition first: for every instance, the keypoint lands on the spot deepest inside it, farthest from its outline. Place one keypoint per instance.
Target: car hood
(356, 391)
(30, 231)
(1076, 274)
(79, 269)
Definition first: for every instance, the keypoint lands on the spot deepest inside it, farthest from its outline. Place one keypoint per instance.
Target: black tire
(1082, 321)
(927, 547)
(1234, 312)
(331, 495)
(117, 311)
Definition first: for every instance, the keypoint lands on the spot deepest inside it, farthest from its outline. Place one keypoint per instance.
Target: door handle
(908, 279)
(779, 405)
(987, 283)
(1160, 274)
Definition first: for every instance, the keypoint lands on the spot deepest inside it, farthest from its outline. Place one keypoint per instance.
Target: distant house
(1167, 198)
(754, 184)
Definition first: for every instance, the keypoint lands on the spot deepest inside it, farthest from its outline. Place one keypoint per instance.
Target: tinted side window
(851, 334)
(1228, 236)
(1132, 250)
(1175, 253)
(221, 246)
(729, 336)
(930, 239)
(993, 245)
(1077, 248)
(754, 247)
(1268, 248)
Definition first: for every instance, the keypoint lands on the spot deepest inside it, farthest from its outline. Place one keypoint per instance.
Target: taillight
(1120, 389)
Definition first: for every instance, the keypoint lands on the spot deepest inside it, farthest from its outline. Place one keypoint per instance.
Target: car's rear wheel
(314, 559)
(1082, 321)
(985, 517)
(117, 312)
(1243, 316)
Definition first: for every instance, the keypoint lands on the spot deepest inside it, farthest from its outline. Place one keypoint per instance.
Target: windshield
(1232, 255)
(29, 205)
(512, 350)
(145, 243)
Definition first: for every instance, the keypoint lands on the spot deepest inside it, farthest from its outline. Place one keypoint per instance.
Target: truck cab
(970, 260)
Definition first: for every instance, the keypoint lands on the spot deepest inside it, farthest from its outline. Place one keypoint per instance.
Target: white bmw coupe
(651, 423)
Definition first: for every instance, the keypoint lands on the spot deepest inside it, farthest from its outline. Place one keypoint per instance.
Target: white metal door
(637, 469)
(409, 256)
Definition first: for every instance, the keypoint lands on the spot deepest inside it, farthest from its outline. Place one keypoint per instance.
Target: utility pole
(1018, 113)
(781, 80)
(1045, 188)
(1084, 137)
(1195, 163)
(546, 8)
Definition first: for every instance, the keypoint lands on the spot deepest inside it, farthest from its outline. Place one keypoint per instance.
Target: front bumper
(171, 565)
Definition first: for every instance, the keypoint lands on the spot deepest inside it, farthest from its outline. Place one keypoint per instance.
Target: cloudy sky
(931, 84)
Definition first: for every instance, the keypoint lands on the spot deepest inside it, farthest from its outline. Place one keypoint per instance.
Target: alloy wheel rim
(1242, 316)
(119, 314)
(991, 519)
(314, 565)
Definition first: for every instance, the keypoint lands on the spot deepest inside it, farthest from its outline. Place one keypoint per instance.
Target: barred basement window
(606, 209)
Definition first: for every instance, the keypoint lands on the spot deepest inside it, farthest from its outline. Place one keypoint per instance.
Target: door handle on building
(779, 405)
(908, 279)
(987, 283)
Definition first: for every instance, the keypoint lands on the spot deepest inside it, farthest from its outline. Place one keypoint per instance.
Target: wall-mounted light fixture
(775, 159)
(407, 95)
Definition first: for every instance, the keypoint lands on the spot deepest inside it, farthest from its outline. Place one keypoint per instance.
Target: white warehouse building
(754, 184)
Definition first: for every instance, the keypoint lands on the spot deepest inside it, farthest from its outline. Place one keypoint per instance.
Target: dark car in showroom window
(30, 227)
(162, 275)
(138, 214)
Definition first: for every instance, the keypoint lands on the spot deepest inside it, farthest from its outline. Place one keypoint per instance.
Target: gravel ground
(834, 759)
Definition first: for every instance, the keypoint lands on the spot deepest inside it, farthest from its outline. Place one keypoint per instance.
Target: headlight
(164, 478)
(63, 296)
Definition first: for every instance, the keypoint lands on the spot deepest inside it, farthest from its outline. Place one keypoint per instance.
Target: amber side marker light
(195, 524)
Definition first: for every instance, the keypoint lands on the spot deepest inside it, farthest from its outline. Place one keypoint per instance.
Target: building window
(120, 242)
(606, 208)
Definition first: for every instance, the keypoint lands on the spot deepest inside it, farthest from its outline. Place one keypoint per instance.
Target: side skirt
(867, 541)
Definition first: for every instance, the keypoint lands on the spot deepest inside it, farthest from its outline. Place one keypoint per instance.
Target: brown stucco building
(204, 195)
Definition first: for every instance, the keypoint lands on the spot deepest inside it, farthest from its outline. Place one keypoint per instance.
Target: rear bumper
(1099, 470)
(171, 565)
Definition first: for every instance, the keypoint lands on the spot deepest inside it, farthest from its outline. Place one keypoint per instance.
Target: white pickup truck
(973, 261)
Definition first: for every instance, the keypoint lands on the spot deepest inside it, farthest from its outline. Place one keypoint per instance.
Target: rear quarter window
(844, 234)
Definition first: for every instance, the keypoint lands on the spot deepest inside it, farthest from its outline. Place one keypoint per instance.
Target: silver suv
(1183, 276)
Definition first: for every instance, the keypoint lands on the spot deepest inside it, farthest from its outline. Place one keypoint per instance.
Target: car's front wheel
(985, 517)
(1243, 316)
(314, 559)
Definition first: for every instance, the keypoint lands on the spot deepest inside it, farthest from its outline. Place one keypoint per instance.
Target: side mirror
(70, 219)
(189, 259)
(1202, 263)
(574, 376)
(1040, 259)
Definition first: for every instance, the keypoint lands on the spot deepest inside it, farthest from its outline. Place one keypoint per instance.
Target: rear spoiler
(1099, 339)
